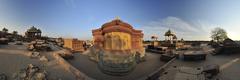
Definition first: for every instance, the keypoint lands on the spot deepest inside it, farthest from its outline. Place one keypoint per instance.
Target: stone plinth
(116, 64)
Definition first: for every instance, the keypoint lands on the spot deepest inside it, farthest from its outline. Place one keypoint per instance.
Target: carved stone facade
(118, 44)
(118, 36)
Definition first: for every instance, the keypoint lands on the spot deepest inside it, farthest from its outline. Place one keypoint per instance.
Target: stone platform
(141, 71)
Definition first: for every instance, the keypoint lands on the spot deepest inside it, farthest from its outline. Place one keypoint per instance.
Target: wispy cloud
(184, 29)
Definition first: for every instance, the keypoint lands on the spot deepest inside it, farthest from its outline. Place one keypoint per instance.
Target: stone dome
(169, 33)
(116, 22)
(33, 29)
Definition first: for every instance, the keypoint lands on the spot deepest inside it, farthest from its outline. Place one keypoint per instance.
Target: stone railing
(79, 75)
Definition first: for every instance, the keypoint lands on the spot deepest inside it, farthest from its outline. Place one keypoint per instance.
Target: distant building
(171, 40)
(229, 47)
(4, 33)
(33, 33)
(230, 43)
(1, 34)
(74, 45)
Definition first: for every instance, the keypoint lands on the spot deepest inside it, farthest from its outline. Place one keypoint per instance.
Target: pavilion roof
(116, 21)
(169, 33)
(33, 29)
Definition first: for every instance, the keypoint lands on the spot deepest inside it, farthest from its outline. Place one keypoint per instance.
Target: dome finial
(117, 18)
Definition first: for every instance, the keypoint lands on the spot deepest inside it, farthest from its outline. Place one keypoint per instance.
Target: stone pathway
(229, 65)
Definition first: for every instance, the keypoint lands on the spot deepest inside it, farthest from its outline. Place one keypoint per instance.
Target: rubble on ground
(3, 76)
(66, 54)
(31, 72)
(43, 58)
(36, 55)
(39, 45)
(59, 42)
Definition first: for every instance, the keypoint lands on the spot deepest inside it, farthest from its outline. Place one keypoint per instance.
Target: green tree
(218, 34)
(5, 30)
(14, 32)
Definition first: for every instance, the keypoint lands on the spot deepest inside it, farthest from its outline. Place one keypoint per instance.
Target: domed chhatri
(118, 44)
(33, 33)
(171, 40)
(169, 33)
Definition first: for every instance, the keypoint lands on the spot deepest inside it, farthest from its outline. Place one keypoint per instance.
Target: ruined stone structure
(39, 45)
(155, 42)
(227, 47)
(118, 45)
(74, 44)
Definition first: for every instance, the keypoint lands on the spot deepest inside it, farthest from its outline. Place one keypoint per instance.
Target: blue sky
(189, 19)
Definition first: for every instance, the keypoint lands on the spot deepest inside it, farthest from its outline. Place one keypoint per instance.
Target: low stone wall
(79, 75)
(155, 75)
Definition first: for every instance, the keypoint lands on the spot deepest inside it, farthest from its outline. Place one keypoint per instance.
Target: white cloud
(187, 30)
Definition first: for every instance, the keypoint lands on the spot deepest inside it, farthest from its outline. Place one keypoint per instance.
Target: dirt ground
(14, 57)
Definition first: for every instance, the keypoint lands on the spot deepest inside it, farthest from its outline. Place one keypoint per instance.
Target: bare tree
(218, 34)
